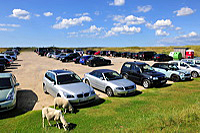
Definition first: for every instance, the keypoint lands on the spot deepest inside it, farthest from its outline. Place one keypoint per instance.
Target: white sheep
(53, 114)
(64, 103)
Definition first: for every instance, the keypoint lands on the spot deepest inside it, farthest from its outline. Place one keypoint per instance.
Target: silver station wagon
(67, 84)
(110, 82)
(8, 91)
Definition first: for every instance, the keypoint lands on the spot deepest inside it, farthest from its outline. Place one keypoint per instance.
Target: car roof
(103, 70)
(136, 63)
(5, 75)
(60, 72)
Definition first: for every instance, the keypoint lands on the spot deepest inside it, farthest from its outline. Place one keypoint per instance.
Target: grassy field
(174, 108)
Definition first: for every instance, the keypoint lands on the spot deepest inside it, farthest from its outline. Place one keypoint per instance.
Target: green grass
(175, 108)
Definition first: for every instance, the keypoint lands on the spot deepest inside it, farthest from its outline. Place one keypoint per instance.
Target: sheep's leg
(49, 123)
(58, 124)
(65, 111)
(64, 128)
(43, 122)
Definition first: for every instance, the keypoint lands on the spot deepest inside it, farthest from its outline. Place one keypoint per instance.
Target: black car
(117, 54)
(5, 62)
(90, 52)
(98, 61)
(77, 59)
(110, 53)
(2, 67)
(135, 55)
(146, 55)
(142, 73)
(130, 55)
(103, 53)
(69, 57)
(162, 57)
(41, 51)
(124, 54)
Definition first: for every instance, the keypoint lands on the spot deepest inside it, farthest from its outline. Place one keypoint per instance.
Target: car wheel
(109, 92)
(45, 89)
(175, 78)
(194, 74)
(146, 83)
(125, 76)
(94, 65)
(87, 82)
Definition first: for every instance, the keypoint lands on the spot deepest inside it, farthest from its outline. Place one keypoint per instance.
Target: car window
(183, 64)
(127, 66)
(164, 66)
(112, 76)
(68, 78)
(5, 83)
(48, 76)
(53, 78)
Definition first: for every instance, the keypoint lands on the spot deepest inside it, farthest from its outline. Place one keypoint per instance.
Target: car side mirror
(17, 84)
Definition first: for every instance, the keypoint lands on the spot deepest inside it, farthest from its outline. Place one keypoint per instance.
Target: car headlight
(155, 78)
(182, 74)
(120, 88)
(11, 96)
(92, 92)
(68, 95)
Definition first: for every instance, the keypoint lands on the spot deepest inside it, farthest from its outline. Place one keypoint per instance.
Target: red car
(97, 53)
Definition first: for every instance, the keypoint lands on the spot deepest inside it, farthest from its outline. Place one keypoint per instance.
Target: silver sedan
(110, 82)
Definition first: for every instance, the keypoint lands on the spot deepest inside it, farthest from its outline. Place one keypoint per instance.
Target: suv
(194, 69)
(162, 57)
(67, 84)
(69, 57)
(172, 71)
(142, 73)
(146, 55)
(8, 91)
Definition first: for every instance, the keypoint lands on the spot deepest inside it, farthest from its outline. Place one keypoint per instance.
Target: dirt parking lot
(29, 70)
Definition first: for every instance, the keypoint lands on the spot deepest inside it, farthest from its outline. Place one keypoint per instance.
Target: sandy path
(30, 74)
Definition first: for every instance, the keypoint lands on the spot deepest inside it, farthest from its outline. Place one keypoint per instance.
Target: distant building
(182, 50)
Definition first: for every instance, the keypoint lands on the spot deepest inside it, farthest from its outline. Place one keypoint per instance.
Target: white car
(194, 69)
(195, 61)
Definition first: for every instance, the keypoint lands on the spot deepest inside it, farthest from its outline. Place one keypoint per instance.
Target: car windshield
(8, 57)
(191, 64)
(112, 76)
(146, 68)
(173, 67)
(68, 78)
(5, 83)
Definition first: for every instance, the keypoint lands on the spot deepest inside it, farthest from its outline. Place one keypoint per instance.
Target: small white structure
(171, 54)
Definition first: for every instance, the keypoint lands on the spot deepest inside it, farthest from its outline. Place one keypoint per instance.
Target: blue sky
(99, 23)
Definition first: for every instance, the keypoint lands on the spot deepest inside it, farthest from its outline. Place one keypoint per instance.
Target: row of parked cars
(8, 82)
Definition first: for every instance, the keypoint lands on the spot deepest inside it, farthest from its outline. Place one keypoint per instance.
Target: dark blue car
(84, 59)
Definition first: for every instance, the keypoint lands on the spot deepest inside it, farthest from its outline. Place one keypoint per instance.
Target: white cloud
(6, 29)
(117, 3)
(37, 15)
(92, 29)
(66, 23)
(9, 25)
(128, 20)
(160, 24)
(184, 11)
(47, 14)
(82, 14)
(20, 14)
(123, 30)
(191, 34)
(144, 9)
(161, 33)
(178, 28)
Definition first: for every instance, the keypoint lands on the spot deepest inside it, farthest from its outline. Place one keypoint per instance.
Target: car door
(100, 81)
(165, 69)
(183, 65)
(96, 81)
(135, 73)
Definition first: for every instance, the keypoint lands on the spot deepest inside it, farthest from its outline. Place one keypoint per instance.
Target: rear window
(5, 83)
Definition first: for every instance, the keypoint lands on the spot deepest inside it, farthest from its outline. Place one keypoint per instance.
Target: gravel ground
(29, 70)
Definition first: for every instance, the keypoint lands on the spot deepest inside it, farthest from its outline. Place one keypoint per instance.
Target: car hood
(122, 82)
(154, 73)
(4, 93)
(75, 88)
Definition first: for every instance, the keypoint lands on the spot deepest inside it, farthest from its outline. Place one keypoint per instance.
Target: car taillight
(143, 55)
(157, 57)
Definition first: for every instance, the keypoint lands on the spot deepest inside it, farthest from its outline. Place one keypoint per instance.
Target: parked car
(130, 55)
(67, 51)
(97, 53)
(56, 55)
(194, 61)
(90, 52)
(124, 54)
(5, 56)
(8, 89)
(110, 53)
(76, 60)
(172, 71)
(70, 57)
(162, 57)
(12, 54)
(2, 67)
(117, 54)
(62, 55)
(5, 62)
(194, 69)
(142, 73)
(41, 51)
(103, 53)
(50, 54)
(135, 56)
(84, 59)
(97, 61)
(80, 51)
(146, 55)
(67, 84)
(109, 81)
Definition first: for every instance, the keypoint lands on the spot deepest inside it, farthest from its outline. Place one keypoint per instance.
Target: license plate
(162, 81)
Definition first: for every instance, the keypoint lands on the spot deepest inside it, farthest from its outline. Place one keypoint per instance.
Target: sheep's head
(66, 126)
